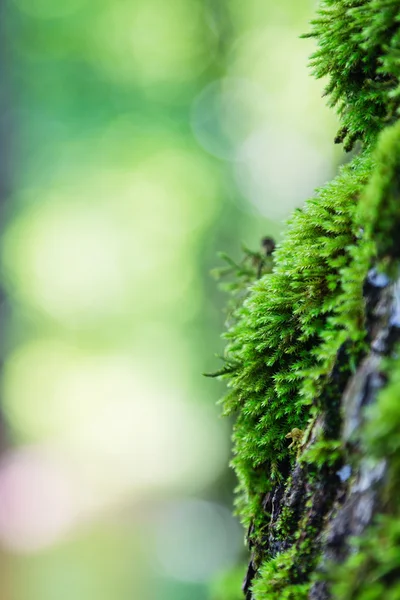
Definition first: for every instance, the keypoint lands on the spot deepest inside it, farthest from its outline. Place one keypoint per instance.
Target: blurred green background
(143, 137)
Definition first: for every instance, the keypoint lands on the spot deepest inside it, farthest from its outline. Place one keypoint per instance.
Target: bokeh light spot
(38, 503)
(277, 169)
(225, 113)
(145, 40)
(68, 259)
(125, 427)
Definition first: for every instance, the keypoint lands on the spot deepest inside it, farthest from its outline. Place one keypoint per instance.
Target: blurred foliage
(145, 140)
(228, 585)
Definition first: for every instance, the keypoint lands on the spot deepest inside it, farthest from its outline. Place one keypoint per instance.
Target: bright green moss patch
(341, 326)
(380, 209)
(289, 331)
(358, 42)
(277, 580)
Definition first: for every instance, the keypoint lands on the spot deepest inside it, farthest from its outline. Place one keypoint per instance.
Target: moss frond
(359, 51)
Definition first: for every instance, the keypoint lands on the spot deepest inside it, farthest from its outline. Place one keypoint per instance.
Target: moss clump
(284, 345)
(380, 210)
(359, 51)
(287, 522)
(277, 580)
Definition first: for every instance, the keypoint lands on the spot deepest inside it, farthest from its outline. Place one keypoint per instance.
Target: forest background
(138, 139)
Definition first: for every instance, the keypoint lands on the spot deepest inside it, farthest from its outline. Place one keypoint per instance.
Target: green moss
(287, 575)
(289, 331)
(381, 435)
(277, 580)
(382, 430)
(324, 453)
(298, 333)
(380, 210)
(287, 523)
(358, 51)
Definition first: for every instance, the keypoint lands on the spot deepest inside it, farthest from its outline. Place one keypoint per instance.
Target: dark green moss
(287, 523)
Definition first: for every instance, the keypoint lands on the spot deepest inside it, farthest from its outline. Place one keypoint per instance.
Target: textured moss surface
(289, 332)
(302, 330)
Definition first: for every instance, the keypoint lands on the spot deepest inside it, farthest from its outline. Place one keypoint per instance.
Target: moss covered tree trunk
(312, 360)
(332, 498)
